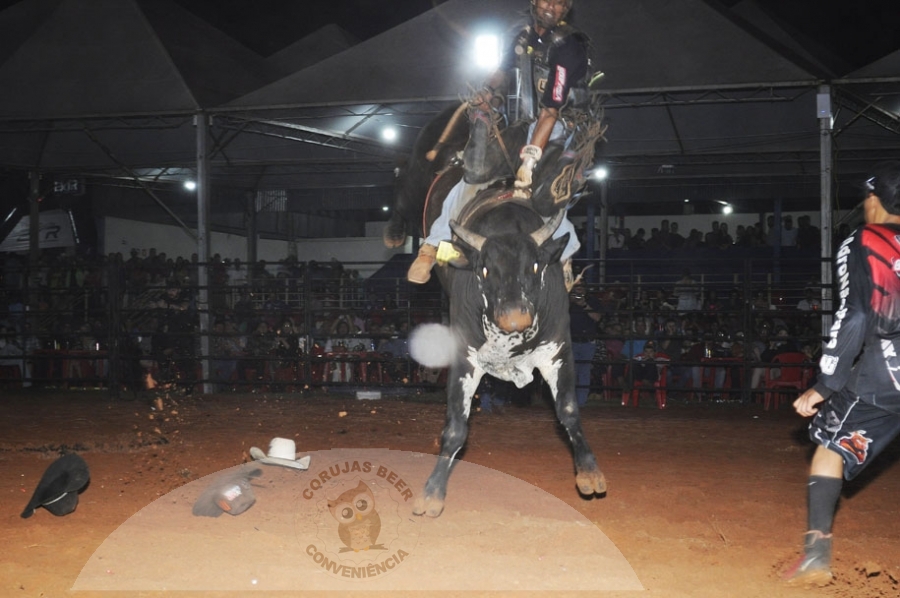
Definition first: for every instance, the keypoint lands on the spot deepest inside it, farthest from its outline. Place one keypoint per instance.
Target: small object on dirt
(173, 412)
(59, 486)
(282, 451)
(158, 403)
(869, 569)
(230, 494)
(342, 414)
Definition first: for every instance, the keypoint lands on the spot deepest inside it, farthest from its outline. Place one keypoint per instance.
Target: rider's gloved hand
(530, 156)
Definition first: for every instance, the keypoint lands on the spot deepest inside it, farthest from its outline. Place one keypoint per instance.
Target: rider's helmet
(554, 12)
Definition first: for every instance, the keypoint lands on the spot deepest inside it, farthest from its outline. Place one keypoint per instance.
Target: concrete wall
(121, 235)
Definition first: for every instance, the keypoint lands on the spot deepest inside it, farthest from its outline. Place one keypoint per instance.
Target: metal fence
(292, 326)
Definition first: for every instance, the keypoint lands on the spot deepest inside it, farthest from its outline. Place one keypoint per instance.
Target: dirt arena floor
(704, 500)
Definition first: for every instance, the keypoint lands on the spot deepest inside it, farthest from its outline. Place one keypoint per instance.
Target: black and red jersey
(867, 321)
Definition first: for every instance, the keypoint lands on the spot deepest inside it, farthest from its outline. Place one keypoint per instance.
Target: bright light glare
(487, 51)
(190, 185)
(601, 173)
(385, 209)
(727, 209)
(389, 134)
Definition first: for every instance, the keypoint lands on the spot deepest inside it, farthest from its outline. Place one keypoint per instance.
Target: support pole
(590, 237)
(824, 113)
(34, 219)
(777, 221)
(203, 193)
(604, 231)
(251, 235)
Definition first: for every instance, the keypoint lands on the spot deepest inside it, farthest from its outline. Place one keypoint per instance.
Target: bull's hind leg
(460, 391)
(588, 477)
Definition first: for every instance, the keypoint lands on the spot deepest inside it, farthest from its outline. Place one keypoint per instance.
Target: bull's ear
(552, 249)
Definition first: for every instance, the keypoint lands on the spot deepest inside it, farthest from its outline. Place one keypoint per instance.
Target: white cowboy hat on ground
(281, 452)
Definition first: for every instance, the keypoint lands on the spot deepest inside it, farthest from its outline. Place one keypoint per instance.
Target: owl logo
(359, 522)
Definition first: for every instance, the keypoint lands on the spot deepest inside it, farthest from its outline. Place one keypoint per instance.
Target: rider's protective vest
(533, 71)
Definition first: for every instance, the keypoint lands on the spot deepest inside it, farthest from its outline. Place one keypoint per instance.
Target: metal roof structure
(701, 103)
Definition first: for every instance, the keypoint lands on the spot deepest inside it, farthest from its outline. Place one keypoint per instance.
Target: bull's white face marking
(495, 357)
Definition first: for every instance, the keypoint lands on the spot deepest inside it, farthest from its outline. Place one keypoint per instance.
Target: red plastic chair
(659, 387)
(796, 372)
(708, 368)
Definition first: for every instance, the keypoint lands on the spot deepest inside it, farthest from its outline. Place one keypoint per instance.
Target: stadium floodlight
(487, 51)
(389, 134)
(601, 173)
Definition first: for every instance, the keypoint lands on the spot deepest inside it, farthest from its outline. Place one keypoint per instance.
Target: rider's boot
(420, 270)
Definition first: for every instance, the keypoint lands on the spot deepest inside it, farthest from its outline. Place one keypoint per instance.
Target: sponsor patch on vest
(560, 84)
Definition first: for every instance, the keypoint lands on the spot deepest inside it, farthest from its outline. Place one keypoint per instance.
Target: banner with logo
(54, 230)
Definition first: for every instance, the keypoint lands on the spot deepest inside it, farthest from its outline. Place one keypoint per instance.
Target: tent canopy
(701, 101)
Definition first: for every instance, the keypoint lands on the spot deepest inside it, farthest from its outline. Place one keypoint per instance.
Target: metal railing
(123, 325)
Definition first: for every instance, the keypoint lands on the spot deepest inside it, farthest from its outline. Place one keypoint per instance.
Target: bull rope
(425, 228)
(587, 132)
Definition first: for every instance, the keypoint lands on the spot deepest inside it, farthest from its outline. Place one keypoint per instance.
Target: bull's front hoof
(394, 233)
(431, 506)
(591, 482)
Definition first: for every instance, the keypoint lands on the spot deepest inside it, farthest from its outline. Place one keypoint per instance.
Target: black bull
(509, 316)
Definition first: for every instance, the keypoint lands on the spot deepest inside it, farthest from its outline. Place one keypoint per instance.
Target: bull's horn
(473, 239)
(541, 235)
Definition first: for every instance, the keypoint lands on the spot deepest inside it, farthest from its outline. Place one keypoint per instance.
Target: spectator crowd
(74, 320)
